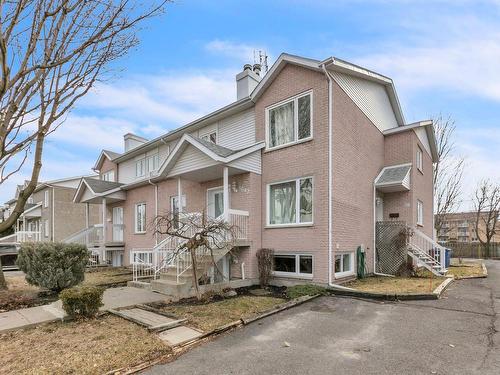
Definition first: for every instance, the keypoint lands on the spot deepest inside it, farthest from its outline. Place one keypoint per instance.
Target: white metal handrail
(88, 236)
(22, 236)
(427, 245)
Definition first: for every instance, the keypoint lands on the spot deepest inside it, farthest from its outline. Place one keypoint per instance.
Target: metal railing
(142, 264)
(89, 236)
(426, 244)
(239, 220)
(22, 236)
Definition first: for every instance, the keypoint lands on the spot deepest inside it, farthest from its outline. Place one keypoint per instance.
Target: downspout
(330, 169)
(156, 206)
(53, 215)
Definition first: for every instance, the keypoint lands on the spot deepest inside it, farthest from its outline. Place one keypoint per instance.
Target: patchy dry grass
(396, 285)
(215, 314)
(469, 269)
(20, 294)
(88, 347)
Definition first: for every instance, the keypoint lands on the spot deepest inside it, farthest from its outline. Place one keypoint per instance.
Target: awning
(394, 178)
(91, 190)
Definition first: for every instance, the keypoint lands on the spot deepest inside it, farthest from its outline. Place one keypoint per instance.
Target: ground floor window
(344, 264)
(300, 265)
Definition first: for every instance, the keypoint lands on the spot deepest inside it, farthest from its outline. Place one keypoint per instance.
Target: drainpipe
(330, 169)
(156, 206)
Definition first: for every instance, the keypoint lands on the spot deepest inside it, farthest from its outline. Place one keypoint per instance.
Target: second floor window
(210, 137)
(140, 218)
(146, 165)
(108, 176)
(290, 121)
(290, 202)
(46, 199)
(420, 157)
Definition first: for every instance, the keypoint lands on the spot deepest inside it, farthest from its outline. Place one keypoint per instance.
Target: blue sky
(444, 57)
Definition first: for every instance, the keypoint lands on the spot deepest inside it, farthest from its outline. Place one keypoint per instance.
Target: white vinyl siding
(46, 199)
(251, 162)
(370, 97)
(290, 202)
(420, 212)
(289, 121)
(344, 264)
(140, 218)
(190, 160)
(237, 131)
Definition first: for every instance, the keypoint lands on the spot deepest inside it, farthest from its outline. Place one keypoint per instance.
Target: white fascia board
(79, 190)
(38, 205)
(244, 152)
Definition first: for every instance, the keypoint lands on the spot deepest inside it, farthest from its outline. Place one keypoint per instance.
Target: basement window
(344, 264)
(293, 265)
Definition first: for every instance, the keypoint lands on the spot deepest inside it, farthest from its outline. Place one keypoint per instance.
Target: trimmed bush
(305, 290)
(82, 301)
(51, 265)
(265, 265)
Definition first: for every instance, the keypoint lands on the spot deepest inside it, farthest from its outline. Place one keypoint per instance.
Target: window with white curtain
(420, 212)
(290, 121)
(140, 218)
(290, 202)
(46, 199)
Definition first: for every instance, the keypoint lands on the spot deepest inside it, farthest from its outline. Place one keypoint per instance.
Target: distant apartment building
(461, 227)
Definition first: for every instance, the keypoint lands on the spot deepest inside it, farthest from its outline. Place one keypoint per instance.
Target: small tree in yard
(265, 265)
(486, 203)
(199, 236)
(54, 266)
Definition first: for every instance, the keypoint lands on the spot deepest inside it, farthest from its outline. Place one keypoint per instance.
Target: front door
(117, 224)
(215, 202)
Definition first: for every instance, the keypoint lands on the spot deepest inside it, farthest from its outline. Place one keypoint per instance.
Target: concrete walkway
(113, 298)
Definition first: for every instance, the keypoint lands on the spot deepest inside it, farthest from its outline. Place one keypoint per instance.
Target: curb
(483, 276)
(436, 293)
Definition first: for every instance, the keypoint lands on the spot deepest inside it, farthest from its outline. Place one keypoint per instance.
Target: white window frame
(206, 136)
(296, 140)
(297, 223)
(46, 228)
(140, 172)
(108, 176)
(420, 213)
(46, 198)
(297, 273)
(344, 273)
(136, 228)
(420, 159)
(150, 164)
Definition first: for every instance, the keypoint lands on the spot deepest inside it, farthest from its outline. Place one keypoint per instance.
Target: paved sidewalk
(113, 298)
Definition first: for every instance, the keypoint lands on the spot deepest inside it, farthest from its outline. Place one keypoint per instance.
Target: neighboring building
(305, 162)
(50, 213)
(461, 227)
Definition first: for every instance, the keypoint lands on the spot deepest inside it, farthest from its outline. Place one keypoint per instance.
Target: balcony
(21, 236)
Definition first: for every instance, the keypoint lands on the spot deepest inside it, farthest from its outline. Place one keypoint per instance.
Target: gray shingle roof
(112, 154)
(393, 175)
(100, 186)
(219, 150)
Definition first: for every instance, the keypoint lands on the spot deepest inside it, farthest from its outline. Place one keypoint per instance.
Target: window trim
(420, 159)
(340, 275)
(295, 120)
(111, 172)
(297, 273)
(420, 217)
(46, 199)
(46, 229)
(209, 133)
(297, 203)
(136, 231)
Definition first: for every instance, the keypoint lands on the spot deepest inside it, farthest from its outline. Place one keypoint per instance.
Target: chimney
(247, 80)
(131, 141)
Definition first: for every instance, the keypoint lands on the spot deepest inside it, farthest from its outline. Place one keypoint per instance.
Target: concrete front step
(169, 287)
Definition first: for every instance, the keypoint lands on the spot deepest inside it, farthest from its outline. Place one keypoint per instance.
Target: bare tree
(486, 203)
(3, 283)
(448, 171)
(52, 52)
(200, 240)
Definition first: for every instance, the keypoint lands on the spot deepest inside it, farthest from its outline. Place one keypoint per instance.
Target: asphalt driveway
(332, 335)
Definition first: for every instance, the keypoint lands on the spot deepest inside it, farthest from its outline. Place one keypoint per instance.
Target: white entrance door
(215, 202)
(117, 224)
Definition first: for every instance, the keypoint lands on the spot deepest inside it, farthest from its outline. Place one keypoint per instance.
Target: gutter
(330, 172)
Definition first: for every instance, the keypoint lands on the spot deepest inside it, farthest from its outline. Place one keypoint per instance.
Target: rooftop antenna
(260, 57)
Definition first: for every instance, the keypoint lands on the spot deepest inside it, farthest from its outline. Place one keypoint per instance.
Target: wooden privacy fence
(473, 250)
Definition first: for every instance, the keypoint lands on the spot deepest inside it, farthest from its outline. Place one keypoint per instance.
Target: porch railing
(149, 263)
(91, 236)
(22, 236)
(427, 245)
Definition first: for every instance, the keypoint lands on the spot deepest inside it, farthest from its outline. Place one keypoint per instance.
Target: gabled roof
(215, 152)
(429, 130)
(110, 155)
(96, 187)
